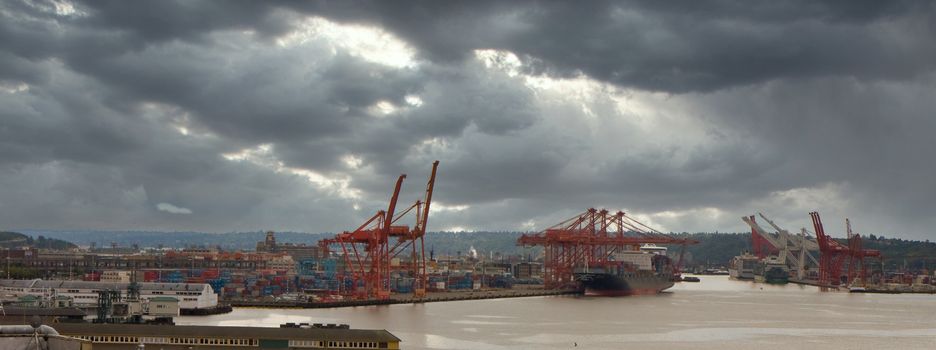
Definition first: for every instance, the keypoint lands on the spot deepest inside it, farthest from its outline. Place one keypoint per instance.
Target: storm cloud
(235, 116)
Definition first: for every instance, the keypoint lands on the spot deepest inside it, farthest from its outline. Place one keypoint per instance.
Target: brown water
(717, 313)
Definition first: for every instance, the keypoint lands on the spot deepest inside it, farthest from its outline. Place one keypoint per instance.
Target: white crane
(794, 249)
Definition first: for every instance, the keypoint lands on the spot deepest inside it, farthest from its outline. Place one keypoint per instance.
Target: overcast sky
(255, 115)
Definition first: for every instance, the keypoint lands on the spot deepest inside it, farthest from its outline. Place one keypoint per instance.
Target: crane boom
(424, 218)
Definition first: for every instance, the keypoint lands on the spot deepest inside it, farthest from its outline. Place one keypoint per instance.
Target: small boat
(691, 279)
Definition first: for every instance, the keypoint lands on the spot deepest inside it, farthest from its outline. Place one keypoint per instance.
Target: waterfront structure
(190, 295)
(289, 336)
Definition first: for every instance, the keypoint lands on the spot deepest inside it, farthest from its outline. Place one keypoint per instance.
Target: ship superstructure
(742, 266)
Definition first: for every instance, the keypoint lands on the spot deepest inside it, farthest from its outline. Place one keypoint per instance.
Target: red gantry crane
(794, 250)
(589, 239)
(857, 267)
(762, 244)
(833, 256)
(369, 249)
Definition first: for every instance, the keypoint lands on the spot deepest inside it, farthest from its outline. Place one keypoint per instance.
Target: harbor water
(717, 313)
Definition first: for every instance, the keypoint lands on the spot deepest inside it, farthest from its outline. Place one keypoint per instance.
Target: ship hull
(602, 284)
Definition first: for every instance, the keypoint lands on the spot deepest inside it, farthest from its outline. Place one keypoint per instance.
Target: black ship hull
(604, 284)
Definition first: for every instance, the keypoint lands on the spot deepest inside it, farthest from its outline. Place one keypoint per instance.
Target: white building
(190, 295)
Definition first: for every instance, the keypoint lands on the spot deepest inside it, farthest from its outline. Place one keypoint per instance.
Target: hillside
(899, 252)
(15, 240)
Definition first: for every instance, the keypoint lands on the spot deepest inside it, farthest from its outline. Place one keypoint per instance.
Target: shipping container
(150, 276)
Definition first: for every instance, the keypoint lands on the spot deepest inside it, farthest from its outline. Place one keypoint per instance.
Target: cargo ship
(647, 271)
(742, 266)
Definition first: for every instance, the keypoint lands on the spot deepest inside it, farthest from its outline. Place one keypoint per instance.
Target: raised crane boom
(368, 250)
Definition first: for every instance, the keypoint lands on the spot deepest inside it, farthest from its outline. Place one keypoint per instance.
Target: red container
(94, 276)
(150, 276)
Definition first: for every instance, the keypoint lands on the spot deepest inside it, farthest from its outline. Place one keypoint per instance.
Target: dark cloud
(673, 47)
(160, 21)
(250, 116)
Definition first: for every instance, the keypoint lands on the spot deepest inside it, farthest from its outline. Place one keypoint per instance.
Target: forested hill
(719, 248)
(15, 240)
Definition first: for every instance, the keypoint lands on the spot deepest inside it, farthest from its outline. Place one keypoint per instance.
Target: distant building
(268, 244)
(297, 251)
(526, 270)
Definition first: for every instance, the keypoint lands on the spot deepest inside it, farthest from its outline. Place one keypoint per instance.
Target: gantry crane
(834, 255)
(369, 249)
(413, 239)
(589, 239)
(857, 267)
(793, 250)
